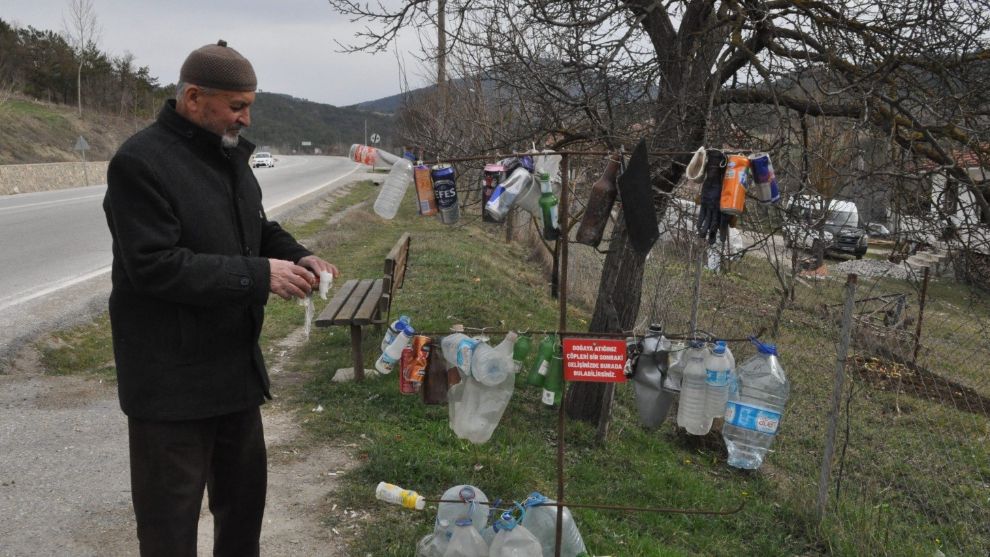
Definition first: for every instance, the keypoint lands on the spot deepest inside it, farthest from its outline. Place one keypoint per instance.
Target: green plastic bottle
(521, 351)
(548, 205)
(553, 386)
(538, 372)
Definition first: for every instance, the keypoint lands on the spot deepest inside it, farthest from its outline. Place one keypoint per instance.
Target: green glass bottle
(553, 386)
(538, 372)
(548, 205)
(521, 351)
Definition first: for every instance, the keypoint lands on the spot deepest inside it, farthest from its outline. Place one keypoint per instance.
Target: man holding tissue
(194, 261)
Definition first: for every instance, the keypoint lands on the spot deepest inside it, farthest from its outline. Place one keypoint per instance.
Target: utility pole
(365, 131)
(442, 51)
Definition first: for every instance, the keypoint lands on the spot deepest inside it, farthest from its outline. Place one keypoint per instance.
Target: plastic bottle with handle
(514, 540)
(466, 541)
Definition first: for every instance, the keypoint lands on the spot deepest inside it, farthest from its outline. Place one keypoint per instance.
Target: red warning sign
(594, 359)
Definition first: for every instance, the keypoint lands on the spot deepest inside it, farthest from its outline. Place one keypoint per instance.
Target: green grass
(912, 480)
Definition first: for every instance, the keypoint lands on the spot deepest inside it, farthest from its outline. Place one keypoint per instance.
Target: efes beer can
(424, 191)
(445, 190)
(763, 176)
(734, 184)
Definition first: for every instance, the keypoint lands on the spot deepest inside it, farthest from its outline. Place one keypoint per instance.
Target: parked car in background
(840, 228)
(263, 159)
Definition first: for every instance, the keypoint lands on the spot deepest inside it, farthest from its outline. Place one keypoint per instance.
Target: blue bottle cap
(464, 522)
(719, 347)
(764, 348)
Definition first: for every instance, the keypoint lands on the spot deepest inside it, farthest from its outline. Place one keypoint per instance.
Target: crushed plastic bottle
(652, 401)
(756, 405)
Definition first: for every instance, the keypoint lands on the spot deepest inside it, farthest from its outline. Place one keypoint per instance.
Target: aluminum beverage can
(490, 178)
(424, 191)
(734, 184)
(445, 190)
(766, 189)
(406, 386)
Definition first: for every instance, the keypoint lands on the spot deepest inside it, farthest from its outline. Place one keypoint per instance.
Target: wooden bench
(361, 302)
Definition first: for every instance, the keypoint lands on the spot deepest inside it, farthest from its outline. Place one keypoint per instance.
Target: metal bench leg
(356, 353)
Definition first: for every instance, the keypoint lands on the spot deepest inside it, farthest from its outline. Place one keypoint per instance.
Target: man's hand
(315, 264)
(289, 280)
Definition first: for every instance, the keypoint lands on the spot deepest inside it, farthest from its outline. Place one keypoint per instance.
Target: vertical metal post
(562, 324)
(697, 289)
(842, 351)
(921, 315)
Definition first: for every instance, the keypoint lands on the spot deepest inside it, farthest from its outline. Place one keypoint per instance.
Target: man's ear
(191, 98)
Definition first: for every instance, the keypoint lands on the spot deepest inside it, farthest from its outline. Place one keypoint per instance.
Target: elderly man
(195, 259)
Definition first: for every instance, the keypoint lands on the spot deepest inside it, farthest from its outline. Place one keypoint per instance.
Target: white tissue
(308, 325)
(326, 281)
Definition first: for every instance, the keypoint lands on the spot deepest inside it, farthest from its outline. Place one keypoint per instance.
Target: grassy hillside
(32, 131)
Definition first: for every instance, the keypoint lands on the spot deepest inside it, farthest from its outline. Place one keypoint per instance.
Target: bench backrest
(395, 271)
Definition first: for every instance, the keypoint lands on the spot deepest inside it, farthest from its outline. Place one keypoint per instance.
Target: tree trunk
(79, 88)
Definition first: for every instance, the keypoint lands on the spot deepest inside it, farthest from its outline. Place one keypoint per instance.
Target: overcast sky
(289, 42)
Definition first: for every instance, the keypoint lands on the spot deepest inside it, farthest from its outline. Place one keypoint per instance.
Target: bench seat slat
(369, 307)
(333, 308)
(346, 314)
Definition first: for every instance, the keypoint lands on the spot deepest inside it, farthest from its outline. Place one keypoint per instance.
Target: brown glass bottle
(600, 201)
(434, 388)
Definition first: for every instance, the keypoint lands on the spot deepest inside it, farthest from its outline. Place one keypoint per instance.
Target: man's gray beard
(229, 142)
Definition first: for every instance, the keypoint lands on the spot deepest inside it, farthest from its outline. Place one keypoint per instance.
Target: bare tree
(82, 32)
(691, 72)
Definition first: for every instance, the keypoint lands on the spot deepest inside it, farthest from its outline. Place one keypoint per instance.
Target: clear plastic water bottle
(458, 350)
(756, 404)
(505, 194)
(691, 408)
(541, 520)
(393, 352)
(718, 371)
(393, 330)
(675, 367)
(490, 366)
(431, 546)
(481, 406)
(394, 189)
(514, 540)
(466, 541)
(461, 501)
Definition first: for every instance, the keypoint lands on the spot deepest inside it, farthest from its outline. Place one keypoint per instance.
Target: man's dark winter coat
(190, 272)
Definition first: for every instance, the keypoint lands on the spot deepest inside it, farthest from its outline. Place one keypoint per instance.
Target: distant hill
(283, 122)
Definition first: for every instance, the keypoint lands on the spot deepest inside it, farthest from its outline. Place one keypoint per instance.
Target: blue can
(766, 189)
(445, 190)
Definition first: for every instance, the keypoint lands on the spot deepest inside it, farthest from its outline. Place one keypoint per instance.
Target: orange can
(735, 182)
(425, 197)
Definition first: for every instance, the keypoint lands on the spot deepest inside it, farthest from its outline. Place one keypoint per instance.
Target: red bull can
(766, 189)
(491, 178)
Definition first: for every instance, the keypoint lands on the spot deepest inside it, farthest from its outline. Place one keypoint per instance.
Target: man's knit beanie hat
(219, 67)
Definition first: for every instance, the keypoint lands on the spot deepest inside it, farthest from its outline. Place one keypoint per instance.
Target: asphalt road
(55, 255)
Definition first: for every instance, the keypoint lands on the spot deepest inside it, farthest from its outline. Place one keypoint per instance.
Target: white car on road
(263, 159)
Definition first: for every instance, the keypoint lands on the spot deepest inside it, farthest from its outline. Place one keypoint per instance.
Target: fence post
(921, 316)
(841, 352)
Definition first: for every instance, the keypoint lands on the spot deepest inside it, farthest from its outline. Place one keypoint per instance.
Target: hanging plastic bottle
(718, 371)
(489, 180)
(393, 329)
(524, 345)
(514, 540)
(541, 520)
(490, 366)
(553, 385)
(458, 350)
(675, 367)
(394, 189)
(756, 405)
(371, 156)
(431, 545)
(600, 201)
(396, 495)
(548, 206)
(466, 541)
(462, 501)
(691, 408)
(445, 190)
(505, 194)
(544, 354)
(390, 357)
(652, 401)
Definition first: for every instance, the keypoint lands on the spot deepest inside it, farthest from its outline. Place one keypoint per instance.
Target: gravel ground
(873, 268)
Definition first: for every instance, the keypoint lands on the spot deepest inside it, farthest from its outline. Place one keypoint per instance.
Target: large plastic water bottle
(718, 371)
(691, 408)
(675, 367)
(394, 189)
(514, 540)
(652, 401)
(541, 520)
(458, 350)
(461, 501)
(756, 403)
(390, 357)
(466, 541)
(505, 194)
(393, 330)
(490, 366)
